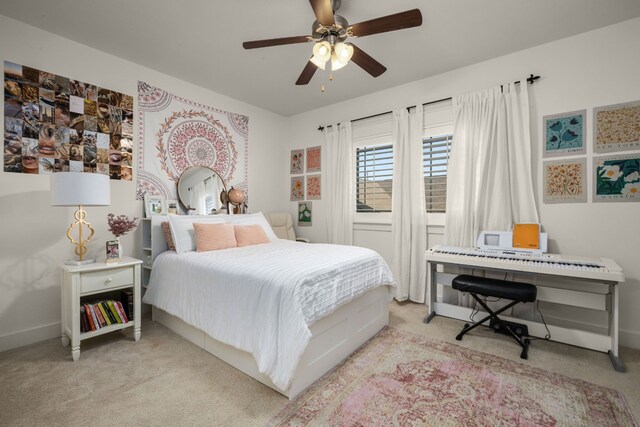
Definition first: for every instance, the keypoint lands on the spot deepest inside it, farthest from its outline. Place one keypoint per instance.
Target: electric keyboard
(551, 264)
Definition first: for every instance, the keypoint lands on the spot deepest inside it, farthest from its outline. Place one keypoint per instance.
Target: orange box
(526, 236)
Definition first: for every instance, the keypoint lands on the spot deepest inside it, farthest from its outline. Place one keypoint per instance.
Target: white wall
(32, 233)
(584, 71)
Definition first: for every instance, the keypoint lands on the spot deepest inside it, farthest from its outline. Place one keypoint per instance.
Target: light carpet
(403, 379)
(164, 380)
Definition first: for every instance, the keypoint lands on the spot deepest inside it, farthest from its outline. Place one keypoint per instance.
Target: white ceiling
(200, 41)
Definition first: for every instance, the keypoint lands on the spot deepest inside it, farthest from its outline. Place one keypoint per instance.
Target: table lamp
(80, 189)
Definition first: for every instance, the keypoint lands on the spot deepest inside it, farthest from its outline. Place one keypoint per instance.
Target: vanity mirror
(199, 190)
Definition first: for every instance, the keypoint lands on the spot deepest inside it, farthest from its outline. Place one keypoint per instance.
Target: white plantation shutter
(374, 178)
(436, 152)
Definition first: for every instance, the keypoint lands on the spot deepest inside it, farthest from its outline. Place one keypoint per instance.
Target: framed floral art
(615, 127)
(297, 188)
(565, 181)
(564, 134)
(305, 217)
(616, 178)
(314, 155)
(297, 161)
(313, 187)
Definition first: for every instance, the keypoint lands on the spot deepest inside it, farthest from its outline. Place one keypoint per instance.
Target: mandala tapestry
(178, 133)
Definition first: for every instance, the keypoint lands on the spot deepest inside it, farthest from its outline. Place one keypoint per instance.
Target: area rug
(403, 379)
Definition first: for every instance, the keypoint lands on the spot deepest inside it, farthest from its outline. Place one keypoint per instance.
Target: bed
(284, 313)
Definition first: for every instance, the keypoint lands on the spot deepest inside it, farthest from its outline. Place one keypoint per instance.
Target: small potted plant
(120, 225)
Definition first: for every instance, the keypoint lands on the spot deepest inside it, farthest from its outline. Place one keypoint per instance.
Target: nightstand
(98, 280)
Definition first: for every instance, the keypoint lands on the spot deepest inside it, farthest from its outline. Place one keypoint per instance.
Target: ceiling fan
(329, 33)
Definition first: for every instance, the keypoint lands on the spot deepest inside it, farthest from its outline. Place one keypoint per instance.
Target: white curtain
(489, 181)
(408, 213)
(340, 173)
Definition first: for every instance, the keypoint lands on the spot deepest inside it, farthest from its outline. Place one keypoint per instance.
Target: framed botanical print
(565, 181)
(297, 161)
(297, 188)
(314, 159)
(313, 187)
(564, 134)
(616, 178)
(616, 127)
(305, 217)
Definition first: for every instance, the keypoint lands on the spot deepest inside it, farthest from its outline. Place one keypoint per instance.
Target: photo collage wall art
(56, 124)
(309, 160)
(616, 178)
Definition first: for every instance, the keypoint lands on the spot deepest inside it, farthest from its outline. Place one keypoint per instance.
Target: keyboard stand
(598, 294)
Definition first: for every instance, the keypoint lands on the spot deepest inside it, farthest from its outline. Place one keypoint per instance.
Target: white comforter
(263, 298)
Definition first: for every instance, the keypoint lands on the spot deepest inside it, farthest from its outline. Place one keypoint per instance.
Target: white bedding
(263, 298)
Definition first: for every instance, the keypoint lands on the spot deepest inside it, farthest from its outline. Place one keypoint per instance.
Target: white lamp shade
(80, 188)
(344, 51)
(322, 51)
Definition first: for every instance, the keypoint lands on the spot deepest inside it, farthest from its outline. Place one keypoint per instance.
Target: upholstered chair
(282, 225)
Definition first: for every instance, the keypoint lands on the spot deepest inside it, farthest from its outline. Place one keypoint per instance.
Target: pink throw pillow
(250, 235)
(211, 237)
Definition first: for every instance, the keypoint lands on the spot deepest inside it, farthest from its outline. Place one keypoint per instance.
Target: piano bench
(514, 291)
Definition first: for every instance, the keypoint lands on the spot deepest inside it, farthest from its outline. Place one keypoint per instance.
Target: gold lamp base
(81, 249)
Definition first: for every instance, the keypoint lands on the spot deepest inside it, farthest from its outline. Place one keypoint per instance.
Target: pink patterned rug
(398, 378)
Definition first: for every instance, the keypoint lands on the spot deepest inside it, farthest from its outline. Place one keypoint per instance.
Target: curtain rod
(531, 79)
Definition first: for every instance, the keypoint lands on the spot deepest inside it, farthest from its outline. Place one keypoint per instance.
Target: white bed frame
(333, 337)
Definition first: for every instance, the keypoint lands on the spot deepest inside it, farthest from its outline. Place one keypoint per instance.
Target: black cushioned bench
(495, 288)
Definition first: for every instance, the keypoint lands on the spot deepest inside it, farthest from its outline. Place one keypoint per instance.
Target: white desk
(587, 283)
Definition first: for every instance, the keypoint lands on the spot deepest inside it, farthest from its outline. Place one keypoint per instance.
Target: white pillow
(250, 219)
(182, 229)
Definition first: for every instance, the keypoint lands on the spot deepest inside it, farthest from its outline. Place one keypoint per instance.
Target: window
(435, 153)
(374, 178)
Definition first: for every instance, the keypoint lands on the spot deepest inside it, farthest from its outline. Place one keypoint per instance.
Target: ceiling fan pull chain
(330, 76)
(322, 88)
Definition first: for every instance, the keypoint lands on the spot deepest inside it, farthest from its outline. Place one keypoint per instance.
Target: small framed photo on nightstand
(113, 251)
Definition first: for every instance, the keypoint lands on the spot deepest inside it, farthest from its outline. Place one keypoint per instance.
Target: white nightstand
(94, 279)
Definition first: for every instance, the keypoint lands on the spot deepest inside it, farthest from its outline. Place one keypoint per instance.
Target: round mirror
(199, 190)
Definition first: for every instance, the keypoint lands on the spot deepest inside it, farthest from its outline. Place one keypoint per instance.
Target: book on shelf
(114, 312)
(84, 324)
(98, 315)
(105, 307)
(121, 312)
(126, 298)
(92, 326)
(106, 317)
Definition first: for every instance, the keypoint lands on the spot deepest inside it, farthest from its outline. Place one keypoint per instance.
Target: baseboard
(29, 336)
(629, 338)
(626, 338)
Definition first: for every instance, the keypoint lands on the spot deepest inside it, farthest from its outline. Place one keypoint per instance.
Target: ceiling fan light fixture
(321, 52)
(336, 63)
(317, 63)
(344, 51)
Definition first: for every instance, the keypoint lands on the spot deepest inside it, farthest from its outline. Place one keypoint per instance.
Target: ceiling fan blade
(323, 11)
(275, 42)
(308, 72)
(367, 63)
(399, 21)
